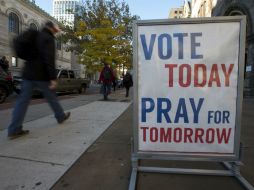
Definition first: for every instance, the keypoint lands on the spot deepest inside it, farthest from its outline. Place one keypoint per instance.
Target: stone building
(213, 8)
(176, 13)
(202, 8)
(186, 9)
(15, 17)
(241, 7)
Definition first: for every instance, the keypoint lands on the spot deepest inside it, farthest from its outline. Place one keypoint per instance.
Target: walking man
(106, 77)
(39, 71)
(127, 82)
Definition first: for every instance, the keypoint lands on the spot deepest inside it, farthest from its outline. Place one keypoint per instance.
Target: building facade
(213, 8)
(242, 7)
(186, 9)
(64, 10)
(15, 17)
(176, 13)
(202, 8)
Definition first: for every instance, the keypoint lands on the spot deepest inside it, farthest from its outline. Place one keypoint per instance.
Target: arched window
(13, 23)
(33, 26)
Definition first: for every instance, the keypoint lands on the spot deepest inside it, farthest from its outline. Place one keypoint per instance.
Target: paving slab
(53, 145)
(106, 165)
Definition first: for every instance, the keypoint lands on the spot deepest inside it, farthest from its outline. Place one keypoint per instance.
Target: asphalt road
(10, 101)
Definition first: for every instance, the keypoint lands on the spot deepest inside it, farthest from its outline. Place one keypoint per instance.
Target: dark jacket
(42, 66)
(4, 65)
(107, 81)
(127, 80)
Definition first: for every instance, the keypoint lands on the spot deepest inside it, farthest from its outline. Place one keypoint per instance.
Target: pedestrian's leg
(108, 89)
(50, 96)
(105, 91)
(127, 91)
(114, 86)
(20, 108)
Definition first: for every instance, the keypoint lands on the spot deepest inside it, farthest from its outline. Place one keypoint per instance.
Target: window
(14, 61)
(71, 73)
(58, 44)
(33, 26)
(64, 74)
(13, 23)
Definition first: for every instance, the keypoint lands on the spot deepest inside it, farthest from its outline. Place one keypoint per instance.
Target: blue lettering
(163, 111)
(145, 109)
(180, 43)
(181, 111)
(169, 46)
(195, 109)
(148, 51)
(194, 44)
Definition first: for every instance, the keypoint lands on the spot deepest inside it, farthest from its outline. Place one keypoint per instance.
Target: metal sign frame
(234, 159)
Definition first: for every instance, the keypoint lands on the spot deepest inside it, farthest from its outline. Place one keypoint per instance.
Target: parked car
(68, 81)
(6, 85)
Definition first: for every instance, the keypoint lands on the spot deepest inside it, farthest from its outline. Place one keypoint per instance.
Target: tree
(102, 33)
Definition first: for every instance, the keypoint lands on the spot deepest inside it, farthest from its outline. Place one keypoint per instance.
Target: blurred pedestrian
(4, 64)
(39, 71)
(106, 77)
(127, 82)
(114, 82)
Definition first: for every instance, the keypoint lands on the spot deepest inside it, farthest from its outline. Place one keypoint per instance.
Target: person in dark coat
(127, 82)
(4, 64)
(106, 77)
(38, 72)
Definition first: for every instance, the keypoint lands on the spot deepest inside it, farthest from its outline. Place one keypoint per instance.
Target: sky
(146, 9)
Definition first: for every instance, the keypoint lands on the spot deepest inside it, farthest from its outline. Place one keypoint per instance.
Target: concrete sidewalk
(106, 165)
(38, 160)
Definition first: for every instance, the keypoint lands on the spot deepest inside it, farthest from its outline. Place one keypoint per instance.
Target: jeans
(106, 89)
(23, 102)
(127, 91)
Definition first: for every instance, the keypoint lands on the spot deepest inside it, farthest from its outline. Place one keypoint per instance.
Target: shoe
(19, 134)
(67, 115)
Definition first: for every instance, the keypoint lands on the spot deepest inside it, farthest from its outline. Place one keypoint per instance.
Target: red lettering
(165, 136)
(214, 76)
(227, 74)
(177, 133)
(188, 132)
(210, 135)
(170, 74)
(224, 135)
(197, 67)
(144, 132)
(198, 135)
(153, 134)
(188, 75)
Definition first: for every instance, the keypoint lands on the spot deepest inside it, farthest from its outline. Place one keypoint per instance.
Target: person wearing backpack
(106, 77)
(4, 64)
(127, 82)
(39, 71)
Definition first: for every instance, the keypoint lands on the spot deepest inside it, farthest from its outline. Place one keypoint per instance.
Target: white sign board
(187, 87)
